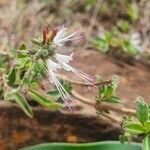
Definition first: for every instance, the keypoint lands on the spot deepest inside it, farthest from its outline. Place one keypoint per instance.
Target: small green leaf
(54, 93)
(133, 127)
(101, 43)
(132, 11)
(101, 91)
(129, 47)
(123, 25)
(108, 91)
(23, 46)
(36, 42)
(11, 77)
(115, 82)
(146, 142)
(22, 54)
(39, 67)
(23, 104)
(114, 99)
(142, 110)
(22, 62)
(67, 86)
(147, 126)
(44, 100)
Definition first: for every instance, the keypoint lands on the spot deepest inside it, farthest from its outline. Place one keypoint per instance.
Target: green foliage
(101, 43)
(36, 42)
(143, 124)
(146, 142)
(116, 40)
(123, 25)
(44, 100)
(23, 104)
(133, 127)
(29, 70)
(22, 47)
(16, 96)
(132, 11)
(142, 110)
(107, 91)
(3, 60)
(11, 77)
(55, 93)
(128, 47)
(38, 68)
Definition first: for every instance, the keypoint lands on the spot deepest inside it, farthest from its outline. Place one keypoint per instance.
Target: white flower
(136, 40)
(63, 63)
(52, 68)
(62, 37)
(101, 32)
(64, 60)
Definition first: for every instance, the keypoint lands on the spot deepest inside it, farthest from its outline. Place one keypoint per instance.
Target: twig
(103, 106)
(112, 118)
(93, 18)
(63, 77)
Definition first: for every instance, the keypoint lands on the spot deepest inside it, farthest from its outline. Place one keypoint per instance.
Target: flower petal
(52, 65)
(63, 58)
(79, 73)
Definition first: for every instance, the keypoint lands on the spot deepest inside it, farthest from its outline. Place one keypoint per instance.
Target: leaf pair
(44, 100)
(40, 98)
(107, 91)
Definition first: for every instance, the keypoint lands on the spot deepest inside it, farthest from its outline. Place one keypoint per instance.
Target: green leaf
(114, 99)
(108, 91)
(129, 47)
(44, 100)
(101, 43)
(11, 77)
(115, 82)
(147, 126)
(142, 110)
(123, 25)
(23, 104)
(67, 86)
(36, 42)
(39, 68)
(133, 11)
(22, 54)
(22, 62)
(3, 60)
(146, 143)
(54, 93)
(23, 46)
(133, 127)
(101, 91)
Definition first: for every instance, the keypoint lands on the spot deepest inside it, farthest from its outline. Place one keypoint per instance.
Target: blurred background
(117, 41)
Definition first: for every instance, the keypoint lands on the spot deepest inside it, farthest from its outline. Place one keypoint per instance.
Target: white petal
(63, 58)
(69, 36)
(60, 34)
(60, 38)
(79, 73)
(52, 65)
(136, 38)
(63, 93)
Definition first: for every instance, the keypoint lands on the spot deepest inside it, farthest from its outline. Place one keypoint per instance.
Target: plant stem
(103, 106)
